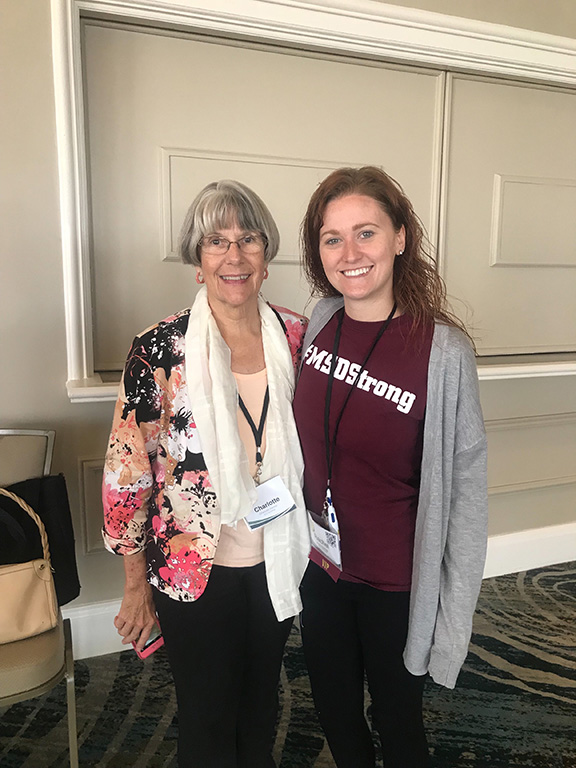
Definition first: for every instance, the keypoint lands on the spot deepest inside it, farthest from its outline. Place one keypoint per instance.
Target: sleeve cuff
(121, 546)
(442, 670)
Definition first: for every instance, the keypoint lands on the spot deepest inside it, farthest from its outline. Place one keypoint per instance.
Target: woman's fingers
(137, 614)
(137, 617)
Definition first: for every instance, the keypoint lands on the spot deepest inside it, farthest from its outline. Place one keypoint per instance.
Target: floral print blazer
(157, 493)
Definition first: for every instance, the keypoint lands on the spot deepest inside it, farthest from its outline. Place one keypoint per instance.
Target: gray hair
(219, 205)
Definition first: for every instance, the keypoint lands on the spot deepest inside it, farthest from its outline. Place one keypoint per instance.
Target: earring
(199, 278)
(266, 274)
(400, 252)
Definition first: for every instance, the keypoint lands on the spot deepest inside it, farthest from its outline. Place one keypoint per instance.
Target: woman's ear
(400, 240)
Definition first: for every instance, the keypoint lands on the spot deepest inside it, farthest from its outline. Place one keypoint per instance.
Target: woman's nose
(351, 252)
(234, 253)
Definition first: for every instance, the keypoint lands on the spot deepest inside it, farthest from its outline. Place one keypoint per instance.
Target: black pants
(347, 630)
(225, 652)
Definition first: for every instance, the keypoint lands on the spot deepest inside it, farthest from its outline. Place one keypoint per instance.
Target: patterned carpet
(515, 703)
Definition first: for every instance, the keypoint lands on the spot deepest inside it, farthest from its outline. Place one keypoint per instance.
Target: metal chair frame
(49, 434)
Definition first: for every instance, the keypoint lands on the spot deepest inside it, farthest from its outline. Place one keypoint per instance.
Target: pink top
(240, 547)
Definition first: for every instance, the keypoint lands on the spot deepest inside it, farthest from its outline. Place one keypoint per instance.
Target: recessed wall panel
(534, 222)
(186, 171)
(277, 120)
(529, 508)
(91, 471)
(510, 202)
(531, 452)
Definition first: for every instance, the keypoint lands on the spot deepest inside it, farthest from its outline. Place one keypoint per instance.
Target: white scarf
(214, 399)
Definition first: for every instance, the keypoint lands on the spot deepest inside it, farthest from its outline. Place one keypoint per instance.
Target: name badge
(274, 500)
(325, 550)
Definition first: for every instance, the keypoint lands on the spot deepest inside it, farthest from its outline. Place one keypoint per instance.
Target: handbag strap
(27, 508)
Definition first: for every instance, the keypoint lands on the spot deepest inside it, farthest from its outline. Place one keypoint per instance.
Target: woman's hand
(137, 615)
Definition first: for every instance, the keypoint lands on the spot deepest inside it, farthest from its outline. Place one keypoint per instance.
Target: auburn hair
(418, 288)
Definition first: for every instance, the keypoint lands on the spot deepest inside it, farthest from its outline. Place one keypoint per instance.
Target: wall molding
(533, 548)
(501, 183)
(465, 40)
(541, 420)
(553, 420)
(93, 630)
(168, 154)
(368, 28)
(363, 28)
(91, 390)
(90, 474)
(531, 485)
(94, 390)
(505, 372)
(94, 634)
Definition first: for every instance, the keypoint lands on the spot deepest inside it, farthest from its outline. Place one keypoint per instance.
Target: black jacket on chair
(20, 539)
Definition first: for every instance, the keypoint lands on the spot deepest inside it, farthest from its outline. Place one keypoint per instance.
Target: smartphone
(154, 642)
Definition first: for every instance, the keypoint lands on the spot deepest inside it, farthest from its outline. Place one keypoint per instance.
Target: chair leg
(71, 695)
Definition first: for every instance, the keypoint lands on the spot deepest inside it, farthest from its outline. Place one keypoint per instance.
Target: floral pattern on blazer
(157, 493)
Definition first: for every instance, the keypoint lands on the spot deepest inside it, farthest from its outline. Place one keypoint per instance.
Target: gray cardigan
(451, 523)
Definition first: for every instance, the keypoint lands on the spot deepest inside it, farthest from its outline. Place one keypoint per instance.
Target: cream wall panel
(186, 171)
(521, 205)
(384, 33)
(528, 508)
(531, 428)
(146, 92)
(518, 398)
(505, 131)
(531, 451)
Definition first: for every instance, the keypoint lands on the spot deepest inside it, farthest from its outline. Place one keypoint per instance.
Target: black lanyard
(257, 431)
(331, 444)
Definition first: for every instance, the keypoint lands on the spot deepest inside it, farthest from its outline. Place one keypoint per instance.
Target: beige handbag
(28, 603)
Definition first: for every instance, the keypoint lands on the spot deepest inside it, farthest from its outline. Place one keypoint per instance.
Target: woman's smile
(234, 278)
(358, 247)
(360, 272)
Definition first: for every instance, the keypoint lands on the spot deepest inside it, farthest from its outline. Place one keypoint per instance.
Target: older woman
(389, 417)
(203, 443)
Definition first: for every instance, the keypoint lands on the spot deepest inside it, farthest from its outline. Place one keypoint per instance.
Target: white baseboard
(534, 548)
(94, 633)
(93, 630)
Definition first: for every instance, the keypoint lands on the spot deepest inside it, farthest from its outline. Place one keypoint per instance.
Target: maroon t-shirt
(376, 466)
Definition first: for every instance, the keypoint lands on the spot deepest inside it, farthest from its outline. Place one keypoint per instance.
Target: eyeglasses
(218, 246)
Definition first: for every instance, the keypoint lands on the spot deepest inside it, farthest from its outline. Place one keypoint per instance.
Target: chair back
(25, 453)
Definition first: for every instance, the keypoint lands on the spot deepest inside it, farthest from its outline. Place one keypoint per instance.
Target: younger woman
(390, 423)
